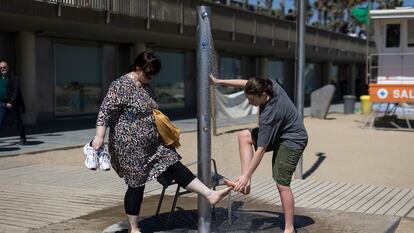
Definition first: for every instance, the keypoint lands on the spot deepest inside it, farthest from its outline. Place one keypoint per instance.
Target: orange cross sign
(391, 93)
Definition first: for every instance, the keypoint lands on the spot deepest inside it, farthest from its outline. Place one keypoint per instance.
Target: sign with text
(391, 93)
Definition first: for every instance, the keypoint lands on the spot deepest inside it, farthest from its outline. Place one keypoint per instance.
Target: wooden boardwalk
(34, 196)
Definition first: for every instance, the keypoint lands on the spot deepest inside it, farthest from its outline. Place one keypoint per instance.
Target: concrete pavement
(45, 198)
(51, 138)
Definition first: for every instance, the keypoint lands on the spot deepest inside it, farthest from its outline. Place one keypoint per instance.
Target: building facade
(67, 52)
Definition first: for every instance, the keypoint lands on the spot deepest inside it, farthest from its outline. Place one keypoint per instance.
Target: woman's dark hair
(147, 62)
(258, 86)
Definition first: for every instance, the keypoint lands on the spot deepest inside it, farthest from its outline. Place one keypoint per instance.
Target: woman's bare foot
(216, 196)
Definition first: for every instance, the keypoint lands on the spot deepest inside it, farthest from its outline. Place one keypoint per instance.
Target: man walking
(11, 100)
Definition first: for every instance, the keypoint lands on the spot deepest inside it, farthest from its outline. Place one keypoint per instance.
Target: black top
(13, 89)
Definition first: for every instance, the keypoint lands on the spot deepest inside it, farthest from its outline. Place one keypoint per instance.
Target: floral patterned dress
(137, 152)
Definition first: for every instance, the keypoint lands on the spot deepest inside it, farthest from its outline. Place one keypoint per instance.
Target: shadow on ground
(321, 157)
(242, 220)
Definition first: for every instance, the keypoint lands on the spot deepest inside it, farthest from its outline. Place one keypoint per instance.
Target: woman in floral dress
(138, 153)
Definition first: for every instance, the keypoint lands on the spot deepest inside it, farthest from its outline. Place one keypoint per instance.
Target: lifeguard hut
(391, 72)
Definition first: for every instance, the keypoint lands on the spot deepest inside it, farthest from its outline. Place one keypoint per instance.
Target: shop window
(169, 83)
(78, 89)
(230, 68)
(393, 36)
(275, 70)
(410, 33)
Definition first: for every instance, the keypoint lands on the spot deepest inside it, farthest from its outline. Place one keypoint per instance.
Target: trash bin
(366, 105)
(349, 104)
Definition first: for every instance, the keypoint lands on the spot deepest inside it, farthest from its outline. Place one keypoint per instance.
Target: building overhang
(398, 13)
(252, 35)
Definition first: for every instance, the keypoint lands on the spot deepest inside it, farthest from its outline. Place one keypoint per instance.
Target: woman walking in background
(137, 151)
(280, 130)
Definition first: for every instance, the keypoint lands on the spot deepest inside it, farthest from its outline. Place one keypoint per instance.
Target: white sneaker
(104, 159)
(91, 160)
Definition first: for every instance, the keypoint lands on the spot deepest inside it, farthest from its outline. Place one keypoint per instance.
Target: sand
(338, 150)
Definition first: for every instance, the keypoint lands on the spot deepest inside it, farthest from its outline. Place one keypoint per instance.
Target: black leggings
(133, 196)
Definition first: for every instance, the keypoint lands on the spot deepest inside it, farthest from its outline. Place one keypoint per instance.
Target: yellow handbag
(170, 134)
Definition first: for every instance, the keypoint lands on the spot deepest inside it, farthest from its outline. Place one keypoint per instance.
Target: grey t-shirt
(279, 122)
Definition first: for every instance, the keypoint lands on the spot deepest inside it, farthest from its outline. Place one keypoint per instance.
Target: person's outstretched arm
(238, 83)
(243, 180)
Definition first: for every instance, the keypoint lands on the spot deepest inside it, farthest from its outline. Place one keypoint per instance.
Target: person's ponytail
(269, 88)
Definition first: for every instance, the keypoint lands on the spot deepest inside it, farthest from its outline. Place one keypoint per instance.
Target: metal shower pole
(203, 114)
(300, 79)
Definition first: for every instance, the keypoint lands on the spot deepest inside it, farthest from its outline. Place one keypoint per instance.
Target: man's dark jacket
(13, 89)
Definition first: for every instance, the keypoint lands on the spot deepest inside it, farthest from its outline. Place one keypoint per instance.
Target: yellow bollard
(366, 106)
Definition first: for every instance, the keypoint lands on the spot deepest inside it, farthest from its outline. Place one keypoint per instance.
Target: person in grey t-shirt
(280, 130)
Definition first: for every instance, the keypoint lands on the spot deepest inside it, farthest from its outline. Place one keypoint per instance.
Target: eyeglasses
(3, 67)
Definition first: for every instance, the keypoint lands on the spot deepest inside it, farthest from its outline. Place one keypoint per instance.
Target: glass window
(230, 68)
(334, 80)
(310, 81)
(393, 36)
(310, 78)
(410, 33)
(275, 70)
(169, 83)
(333, 75)
(78, 79)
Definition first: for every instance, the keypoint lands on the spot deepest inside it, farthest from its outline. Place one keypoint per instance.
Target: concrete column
(289, 77)
(26, 70)
(45, 79)
(319, 75)
(263, 72)
(190, 81)
(327, 72)
(138, 48)
(109, 66)
(353, 76)
(343, 80)
(247, 65)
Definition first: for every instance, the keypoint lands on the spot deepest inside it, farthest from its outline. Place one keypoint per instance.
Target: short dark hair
(148, 63)
(257, 86)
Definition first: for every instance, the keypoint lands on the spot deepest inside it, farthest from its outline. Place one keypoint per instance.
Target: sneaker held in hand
(104, 159)
(91, 160)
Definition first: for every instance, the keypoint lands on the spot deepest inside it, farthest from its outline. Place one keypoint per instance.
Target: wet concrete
(250, 217)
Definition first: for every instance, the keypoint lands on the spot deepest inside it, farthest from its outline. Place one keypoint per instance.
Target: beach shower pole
(300, 77)
(203, 114)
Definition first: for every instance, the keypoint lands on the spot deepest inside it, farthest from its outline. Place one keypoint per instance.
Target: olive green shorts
(284, 160)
